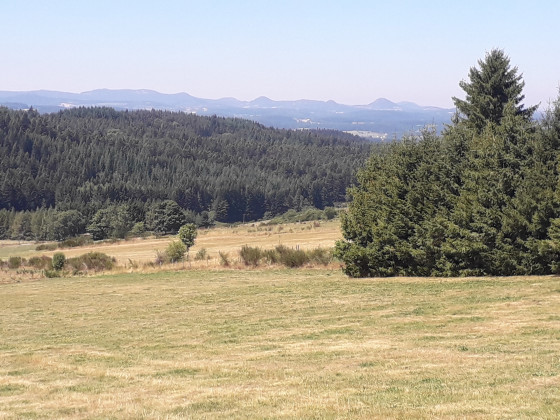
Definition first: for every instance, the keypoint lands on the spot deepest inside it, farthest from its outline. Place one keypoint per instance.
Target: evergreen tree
(397, 212)
(86, 159)
(490, 88)
(483, 199)
(100, 225)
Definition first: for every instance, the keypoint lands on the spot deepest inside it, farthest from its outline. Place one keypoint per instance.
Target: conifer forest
(483, 198)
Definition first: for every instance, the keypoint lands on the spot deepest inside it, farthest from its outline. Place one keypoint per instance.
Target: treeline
(57, 171)
(481, 199)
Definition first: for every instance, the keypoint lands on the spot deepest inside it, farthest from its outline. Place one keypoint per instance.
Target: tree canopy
(483, 198)
(489, 90)
(187, 235)
(132, 165)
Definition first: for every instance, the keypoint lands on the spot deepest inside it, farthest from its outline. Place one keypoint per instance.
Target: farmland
(203, 341)
(279, 344)
(136, 254)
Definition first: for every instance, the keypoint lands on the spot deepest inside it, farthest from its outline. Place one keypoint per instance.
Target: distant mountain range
(381, 119)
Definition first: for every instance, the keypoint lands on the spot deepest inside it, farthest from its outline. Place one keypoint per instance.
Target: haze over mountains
(381, 119)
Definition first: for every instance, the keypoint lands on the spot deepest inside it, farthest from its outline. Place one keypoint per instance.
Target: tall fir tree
(489, 89)
(482, 199)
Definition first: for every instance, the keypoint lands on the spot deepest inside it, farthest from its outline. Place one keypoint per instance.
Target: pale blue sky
(349, 51)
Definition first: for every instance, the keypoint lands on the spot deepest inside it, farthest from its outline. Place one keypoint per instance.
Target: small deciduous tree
(187, 235)
(68, 223)
(176, 251)
(165, 217)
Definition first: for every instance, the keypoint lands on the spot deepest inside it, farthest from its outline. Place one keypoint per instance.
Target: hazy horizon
(220, 98)
(352, 53)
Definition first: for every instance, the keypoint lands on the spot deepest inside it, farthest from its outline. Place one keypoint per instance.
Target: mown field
(135, 254)
(267, 343)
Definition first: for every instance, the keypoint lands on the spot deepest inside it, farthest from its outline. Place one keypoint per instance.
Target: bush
(271, 256)
(14, 262)
(139, 229)
(96, 261)
(251, 255)
(52, 274)
(47, 247)
(187, 235)
(58, 261)
(175, 251)
(75, 242)
(201, 254)
(287, 256)
(161, 258)
(330, 213)
(311, 214)
(40, 263)
(291, 257)
(321, 256)
(224, 259)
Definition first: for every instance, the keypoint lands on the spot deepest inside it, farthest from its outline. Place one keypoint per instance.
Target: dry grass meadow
(134, 254)
(266, 343)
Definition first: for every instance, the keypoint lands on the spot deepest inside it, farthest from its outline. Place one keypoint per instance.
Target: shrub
(138, 229)
(330, 213)
(291, 257)
(224, 259)
(47, 247)
(187, 234)
(251, 255)
(311, 214)
(271, 256)
(58, 261)
(14, 262)
(161, 258)
(52, 273)
(201, 254)
(175, 251)
(96, 261)
(321, 256)
(75, 242)
(40, 263)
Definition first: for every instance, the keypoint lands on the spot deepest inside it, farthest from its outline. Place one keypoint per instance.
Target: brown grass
(279, 344)
(133, 254)
(211, 343)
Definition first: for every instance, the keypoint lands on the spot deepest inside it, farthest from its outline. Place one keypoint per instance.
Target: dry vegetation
(135, 254)
(279, 344)
(204, 342)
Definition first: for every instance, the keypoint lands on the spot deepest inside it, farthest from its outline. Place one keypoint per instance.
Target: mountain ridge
(379, 119)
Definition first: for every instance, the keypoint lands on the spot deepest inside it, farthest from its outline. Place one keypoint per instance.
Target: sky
(349, 51)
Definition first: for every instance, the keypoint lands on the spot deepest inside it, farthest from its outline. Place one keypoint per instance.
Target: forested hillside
(226, 169)
(481, 199)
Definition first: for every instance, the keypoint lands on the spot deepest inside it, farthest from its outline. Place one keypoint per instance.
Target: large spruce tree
(489, 89)
(481, 199)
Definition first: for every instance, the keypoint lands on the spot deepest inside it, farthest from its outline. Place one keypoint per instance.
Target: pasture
(134, 254)
(267, 343)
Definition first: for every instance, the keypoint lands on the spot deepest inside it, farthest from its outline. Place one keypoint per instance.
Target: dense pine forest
(481, 199)
(104, 171)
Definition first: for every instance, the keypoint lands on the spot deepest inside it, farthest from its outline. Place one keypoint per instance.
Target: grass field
(228, 240)
(223, 344)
